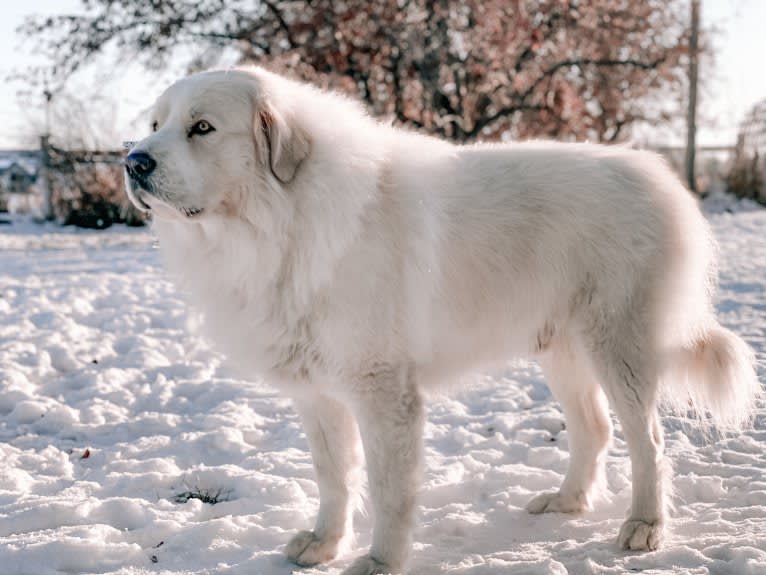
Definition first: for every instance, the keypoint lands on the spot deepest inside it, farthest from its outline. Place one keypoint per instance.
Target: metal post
(691, 134)
(45, 179)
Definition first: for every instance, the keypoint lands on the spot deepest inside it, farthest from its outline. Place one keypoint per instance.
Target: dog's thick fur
(354, 265)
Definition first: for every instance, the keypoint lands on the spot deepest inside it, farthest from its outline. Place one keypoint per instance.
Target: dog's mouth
(140, 203)
(148, 202)
(191, 212)
(136, 192)
(167, 210)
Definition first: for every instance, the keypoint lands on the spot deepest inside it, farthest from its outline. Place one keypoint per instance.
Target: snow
(113, 411)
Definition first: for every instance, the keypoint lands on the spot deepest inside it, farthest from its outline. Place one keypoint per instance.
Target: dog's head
(214, 136)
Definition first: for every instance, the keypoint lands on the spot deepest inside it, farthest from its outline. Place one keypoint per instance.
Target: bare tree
(77, 122)
(464, 69)
(80, 176)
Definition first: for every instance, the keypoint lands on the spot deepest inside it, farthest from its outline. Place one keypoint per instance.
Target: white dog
(354, 265)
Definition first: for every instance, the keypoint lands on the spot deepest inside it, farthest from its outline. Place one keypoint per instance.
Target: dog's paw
(638, 535)
(366, 565)
(556, 502)
(306, 549)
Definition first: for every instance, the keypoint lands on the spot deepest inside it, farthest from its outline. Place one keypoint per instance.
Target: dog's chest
(258, 327)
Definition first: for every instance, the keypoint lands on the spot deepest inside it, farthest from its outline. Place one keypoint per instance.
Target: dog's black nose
(140, 165)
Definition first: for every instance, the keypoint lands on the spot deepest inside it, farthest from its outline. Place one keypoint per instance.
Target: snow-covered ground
(112, 412)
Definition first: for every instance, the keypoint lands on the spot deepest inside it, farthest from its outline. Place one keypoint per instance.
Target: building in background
(18, 174)
(747, 178)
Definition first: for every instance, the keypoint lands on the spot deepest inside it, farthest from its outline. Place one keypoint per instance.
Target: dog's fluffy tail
(714, 375)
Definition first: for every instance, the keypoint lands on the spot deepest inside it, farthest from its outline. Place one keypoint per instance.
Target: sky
(734, 85)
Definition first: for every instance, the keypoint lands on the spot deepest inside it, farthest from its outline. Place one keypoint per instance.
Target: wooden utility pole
(45, 179)
(691, 118)
(45, 160)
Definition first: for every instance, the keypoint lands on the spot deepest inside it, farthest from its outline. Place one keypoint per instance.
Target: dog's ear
(286, 145)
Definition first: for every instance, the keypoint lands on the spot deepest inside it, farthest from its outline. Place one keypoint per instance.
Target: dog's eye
(154, 126)
(201, 128)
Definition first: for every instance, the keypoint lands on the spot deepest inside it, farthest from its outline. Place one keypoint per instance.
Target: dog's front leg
(335, 449)
(390, 413)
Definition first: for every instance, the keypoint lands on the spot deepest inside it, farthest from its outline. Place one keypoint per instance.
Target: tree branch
(582, 62)
(504, 112)
(282, 22)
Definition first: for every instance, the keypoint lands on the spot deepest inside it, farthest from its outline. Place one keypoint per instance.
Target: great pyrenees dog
(355, 266)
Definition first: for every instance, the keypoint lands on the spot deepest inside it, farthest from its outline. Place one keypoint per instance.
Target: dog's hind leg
(336, 451)
(628, 367)
(572, 379)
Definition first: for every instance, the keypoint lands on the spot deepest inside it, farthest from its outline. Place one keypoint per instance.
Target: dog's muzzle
(140, 166)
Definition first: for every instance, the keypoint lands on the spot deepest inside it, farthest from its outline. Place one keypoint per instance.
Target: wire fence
(85, 187)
